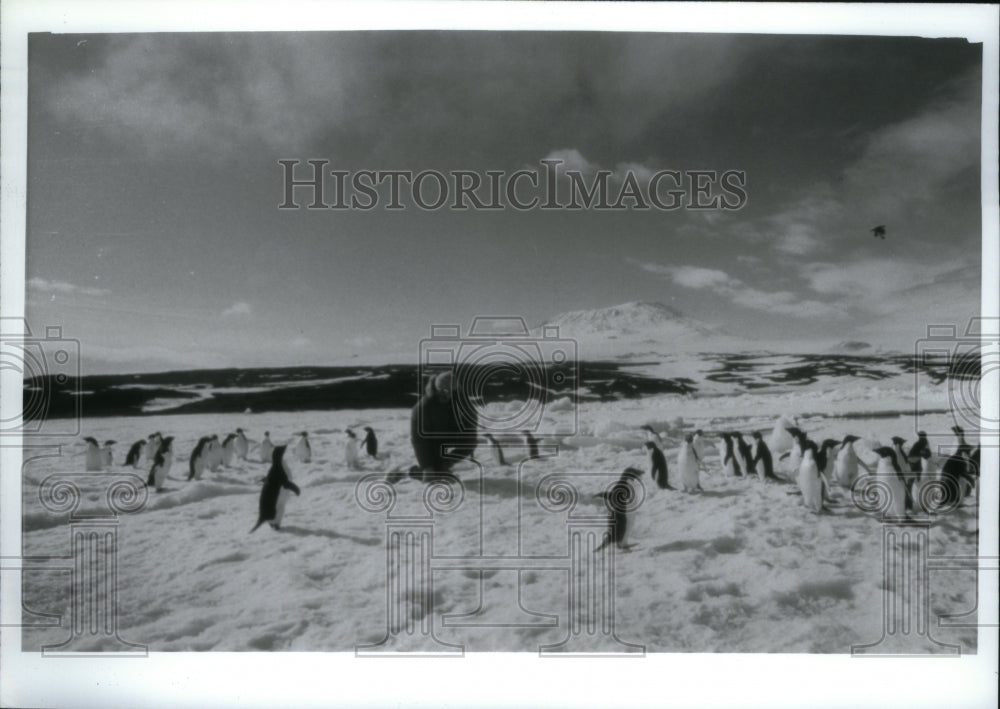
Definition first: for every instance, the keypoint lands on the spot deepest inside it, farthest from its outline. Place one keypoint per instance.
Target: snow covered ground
(740, 567)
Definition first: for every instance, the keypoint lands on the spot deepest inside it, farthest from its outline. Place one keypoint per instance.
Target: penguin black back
(198, 452)
(371, 442)
(763, 459)
(133, 453)
(277, 478)
(658, 466)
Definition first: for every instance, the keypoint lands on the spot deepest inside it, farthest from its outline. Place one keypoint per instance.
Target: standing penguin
(300, 447)
(197, 461)
(274, 494)
(728, 456)
(161, 464)
(532, 444)
(743, 455)
(825, 464)
(241, 445)
(929, 472)
(153, 445)
(351, 451)
(229, 450)
(845, 466)
(957, 477)
(916, 455)
(214, 456)
(658, 466)
(904, 466)
(107, 455)
(617, 499)
(497, 450)
(889, 472)
(95, 459)
(371, 442)
(266, 448)
(799, 440)
(962, 447)
(762, 459)
(808, 478)
(135, 453)
(687, 463)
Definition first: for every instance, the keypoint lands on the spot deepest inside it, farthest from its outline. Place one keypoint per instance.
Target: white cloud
(41, 285)
(733, 289)
(572, 159)
(239, 308)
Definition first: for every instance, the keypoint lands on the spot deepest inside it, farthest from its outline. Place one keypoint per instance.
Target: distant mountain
(637, 328)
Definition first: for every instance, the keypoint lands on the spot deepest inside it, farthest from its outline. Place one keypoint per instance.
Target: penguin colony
(815, 467)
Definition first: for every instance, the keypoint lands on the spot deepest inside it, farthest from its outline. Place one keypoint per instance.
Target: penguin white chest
(160, 476)
(810, 484)
(689, 469)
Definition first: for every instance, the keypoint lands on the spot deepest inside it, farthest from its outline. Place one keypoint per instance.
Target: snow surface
(740, 567)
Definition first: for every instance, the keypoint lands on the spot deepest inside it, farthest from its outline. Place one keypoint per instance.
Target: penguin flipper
(293, 487)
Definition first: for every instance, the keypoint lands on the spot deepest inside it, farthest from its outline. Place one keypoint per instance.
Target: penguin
(929, 472)
(878, 232)
(229, 450)
(652, 435)
(687, 463)
(916, 455)
(794, 455)
(161, 464)
(135, 453)
(658, 466)
(890, 473)
(153, 442)
(825, 464)
(762, 459)
(371, 442)
(241, 445)
(728, 456)
(351, 451)
(532, 444)
(743, 455)
(274, 494)
(957, 477)
(497, 450)
(618, 522)
(973, 469)
(107, 455)
(808, 478)
(845, 466)
(961, 446)
(300, 447)
(266, 448)
(198, 459)
(214, 456)
(95, 457)
(904, 465)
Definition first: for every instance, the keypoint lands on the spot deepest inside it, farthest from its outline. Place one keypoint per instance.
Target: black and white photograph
(441, 340)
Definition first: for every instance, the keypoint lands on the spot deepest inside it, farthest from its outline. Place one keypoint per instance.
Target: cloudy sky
(154, 234)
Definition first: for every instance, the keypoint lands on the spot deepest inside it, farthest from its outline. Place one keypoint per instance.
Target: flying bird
(879, 231)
